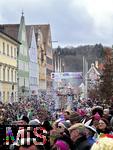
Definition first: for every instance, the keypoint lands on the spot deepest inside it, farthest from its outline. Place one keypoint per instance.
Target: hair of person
(78, 126)
(104, 143)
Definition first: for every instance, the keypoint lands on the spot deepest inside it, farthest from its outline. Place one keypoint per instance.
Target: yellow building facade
(8, 68)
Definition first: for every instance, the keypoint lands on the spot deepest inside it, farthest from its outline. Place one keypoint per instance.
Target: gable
(93, 74)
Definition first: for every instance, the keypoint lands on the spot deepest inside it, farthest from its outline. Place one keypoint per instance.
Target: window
(3, 48)
(21, 65)
(49, 60)
(15, 53)
(15, 95)
(0, 95)
(7, 49)
(42, 55)
(8, 96)
(3, 74)
(0, 48)
(49, 72)
(0, 72)
(12, 75)
(8, 75)
(15, 77)
(11, 51)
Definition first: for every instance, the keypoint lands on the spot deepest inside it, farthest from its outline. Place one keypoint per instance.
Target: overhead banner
(66, 75)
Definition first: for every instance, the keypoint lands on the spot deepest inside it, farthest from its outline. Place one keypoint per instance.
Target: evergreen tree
(106, 79)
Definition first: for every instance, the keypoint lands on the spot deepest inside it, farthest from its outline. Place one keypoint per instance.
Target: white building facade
(33, 65)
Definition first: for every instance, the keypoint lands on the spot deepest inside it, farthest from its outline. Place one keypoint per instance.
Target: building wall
(33, 66)
(41, 61)
(49, 61)
(23, 61)
(8, 70)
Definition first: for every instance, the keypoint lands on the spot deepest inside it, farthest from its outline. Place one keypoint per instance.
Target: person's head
(61, 127)
(24, 121)
(1, 118)
(46, 124)
(60, 145)
(32, 147)
(54, 134)
(35, 122)
(66, 115)
(104, 143)
(76, 131)
(106, 112)
(97, 109)
(75, 118)
(103, 124)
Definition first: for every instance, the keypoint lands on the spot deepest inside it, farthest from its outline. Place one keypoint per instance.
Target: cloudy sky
(73, 22)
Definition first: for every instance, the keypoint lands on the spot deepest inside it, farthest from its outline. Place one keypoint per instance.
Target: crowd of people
(88, 126)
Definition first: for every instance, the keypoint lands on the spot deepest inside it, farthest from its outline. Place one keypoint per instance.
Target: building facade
(26, 62)
(8, 68)
(41, 61)
(92, 78)
(49, 60)
(33, 64)
(23, 61)
(18, 32)
(45, 56)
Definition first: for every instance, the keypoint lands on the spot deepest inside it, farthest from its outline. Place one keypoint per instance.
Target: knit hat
(62, 145)
(81, 112)
(34, 122)
(97, 116)
(67, 124)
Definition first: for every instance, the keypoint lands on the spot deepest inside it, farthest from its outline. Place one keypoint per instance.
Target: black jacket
(81, 144)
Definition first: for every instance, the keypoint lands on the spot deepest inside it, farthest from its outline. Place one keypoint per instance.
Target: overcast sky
(73, 22)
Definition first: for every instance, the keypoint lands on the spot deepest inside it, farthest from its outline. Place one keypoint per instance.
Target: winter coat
(81, 144)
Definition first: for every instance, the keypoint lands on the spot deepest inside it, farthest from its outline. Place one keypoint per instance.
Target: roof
(10, 29)
(7, 35)
(93, 67)
(45, 29)
(29, 31)
(13, 29)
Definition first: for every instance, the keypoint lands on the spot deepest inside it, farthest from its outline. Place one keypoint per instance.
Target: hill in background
(73, 56)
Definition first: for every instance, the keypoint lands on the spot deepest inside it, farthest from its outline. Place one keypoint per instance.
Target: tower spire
(22, 12)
